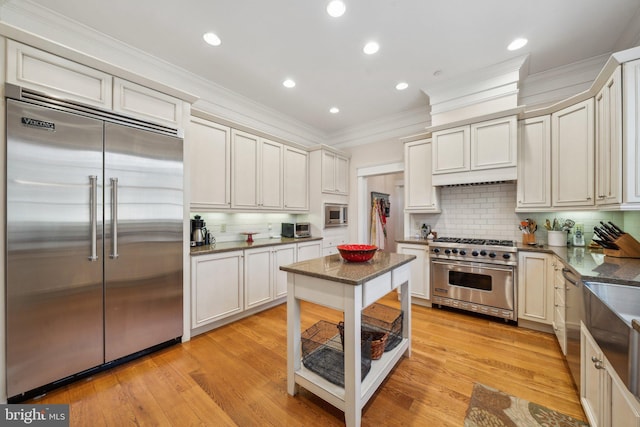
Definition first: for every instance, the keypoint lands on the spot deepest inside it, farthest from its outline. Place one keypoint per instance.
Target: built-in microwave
(335, 215)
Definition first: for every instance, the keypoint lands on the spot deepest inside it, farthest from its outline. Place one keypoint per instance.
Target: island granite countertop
(334, 268)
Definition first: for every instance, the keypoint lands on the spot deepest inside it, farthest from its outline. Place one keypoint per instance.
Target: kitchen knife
(612, 231)
(618, 229)
(602, 234)
(606, 245)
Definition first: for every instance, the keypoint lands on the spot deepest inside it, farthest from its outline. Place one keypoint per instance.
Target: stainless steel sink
(609, 310)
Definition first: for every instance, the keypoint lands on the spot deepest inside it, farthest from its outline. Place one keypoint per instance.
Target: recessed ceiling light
(517, 44)
(334, 110)
(371, 48)
(402, 85)
(336, 8)
(289, 83)
(212, 39)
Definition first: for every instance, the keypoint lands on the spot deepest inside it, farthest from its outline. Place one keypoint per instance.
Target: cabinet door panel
(271, 175)
(342, 175)
(216, 287)
(420, 194)
(244, 157)
(534, 164)
(572, 140)
(257, 277)
(535, 285)
(283, 255)
(296, 179)
(494, 144)
(210, 163)
(451, 150)
(631, 134)
(420, 279)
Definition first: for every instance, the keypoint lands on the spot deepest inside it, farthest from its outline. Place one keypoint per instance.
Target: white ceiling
(266, 41)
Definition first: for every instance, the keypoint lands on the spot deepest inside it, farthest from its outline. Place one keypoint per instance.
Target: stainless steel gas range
(475, 275)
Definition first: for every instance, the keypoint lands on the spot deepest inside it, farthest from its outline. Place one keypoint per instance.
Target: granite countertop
(334, 268)
(241, 245)
(592, 264)
(413, 241)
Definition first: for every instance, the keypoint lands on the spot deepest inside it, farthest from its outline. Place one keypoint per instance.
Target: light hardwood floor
(236, 376)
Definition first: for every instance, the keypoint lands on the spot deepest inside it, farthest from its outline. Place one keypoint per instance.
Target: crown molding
(391, 127)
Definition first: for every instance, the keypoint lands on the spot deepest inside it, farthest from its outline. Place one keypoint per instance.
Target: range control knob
(455, 251)
(436, 250)
(506, 256)
(474, 253)
(447, 251)
(463, 252)
(483, 253)
(492, 254)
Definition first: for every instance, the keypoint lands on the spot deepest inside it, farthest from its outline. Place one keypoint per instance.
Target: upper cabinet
(572, 151)
(256, 167)
(41, 71)
(210, 164)
(45, 72)
(631, 134)
(608, 105)
(296, 179)
(335, 173)
(477, 152)
(534, 163)
(420, 194)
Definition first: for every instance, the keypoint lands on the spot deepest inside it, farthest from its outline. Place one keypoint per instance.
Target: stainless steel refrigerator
(94, 217)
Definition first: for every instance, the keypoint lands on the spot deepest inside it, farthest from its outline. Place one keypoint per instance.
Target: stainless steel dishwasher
(575, 313)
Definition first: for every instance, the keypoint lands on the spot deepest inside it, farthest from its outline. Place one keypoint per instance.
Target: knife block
(628, 247)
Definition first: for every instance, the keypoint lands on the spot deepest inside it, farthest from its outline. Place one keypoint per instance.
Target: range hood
(474, 125)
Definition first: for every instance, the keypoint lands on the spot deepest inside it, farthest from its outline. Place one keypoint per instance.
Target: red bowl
(357, 253)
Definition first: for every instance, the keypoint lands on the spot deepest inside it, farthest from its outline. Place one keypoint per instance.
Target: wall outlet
(223, 228)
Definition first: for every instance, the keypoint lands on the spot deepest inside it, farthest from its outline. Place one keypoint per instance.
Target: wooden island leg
(294, 352)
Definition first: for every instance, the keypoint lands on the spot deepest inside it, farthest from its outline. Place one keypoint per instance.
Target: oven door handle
(494, 267)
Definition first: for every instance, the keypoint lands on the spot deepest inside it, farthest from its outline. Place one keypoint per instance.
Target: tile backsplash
(228, 227)
(488, 211)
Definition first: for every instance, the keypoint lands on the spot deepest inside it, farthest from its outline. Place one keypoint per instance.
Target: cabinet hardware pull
(93, 213)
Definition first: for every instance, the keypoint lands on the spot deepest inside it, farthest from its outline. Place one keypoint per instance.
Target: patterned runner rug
(492, 408)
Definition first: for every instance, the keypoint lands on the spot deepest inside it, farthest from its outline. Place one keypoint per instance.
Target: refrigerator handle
(93, 208)
(114, 217)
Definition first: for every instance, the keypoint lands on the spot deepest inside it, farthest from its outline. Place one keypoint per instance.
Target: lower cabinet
(263, 280)
(605, 399)
(559, 306)
(216, 287)
(420, 271)
(309, 250)
(535, 287)
(231, 283)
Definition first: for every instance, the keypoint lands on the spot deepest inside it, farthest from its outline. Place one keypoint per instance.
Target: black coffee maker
(198, 231)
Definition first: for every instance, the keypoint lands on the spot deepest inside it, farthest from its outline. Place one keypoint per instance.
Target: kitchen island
(331, 282)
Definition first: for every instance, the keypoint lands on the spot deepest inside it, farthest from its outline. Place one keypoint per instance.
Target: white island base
(348, 287)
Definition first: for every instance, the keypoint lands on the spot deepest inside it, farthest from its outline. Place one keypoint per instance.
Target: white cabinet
(134, 100)
(572, 151)
(332, 239)
(296, 179)
(309, 250)
(420, 194)
(335, 173)
(559, 305)
(608, 106)
(210, 164)
(420, 269)
(44, 72)
(216, 287)
(451, 150)
(41, 71)
(631, 132)
(478, 152)
(535, 287)
(534, 163)
(605, 399)
(263, 280)
(494, 143)
(256, 167)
